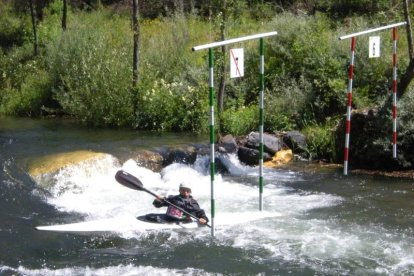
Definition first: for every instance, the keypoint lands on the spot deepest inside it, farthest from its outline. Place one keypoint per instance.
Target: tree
(409, 72)
(33, 15)
(226, 11)
(136, 31)
(222, 65)
(64, 14)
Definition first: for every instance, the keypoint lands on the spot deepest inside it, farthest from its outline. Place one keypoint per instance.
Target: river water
(329, 224)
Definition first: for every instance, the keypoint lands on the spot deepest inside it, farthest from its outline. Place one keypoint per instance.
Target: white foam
(121, 270)
(293, 237)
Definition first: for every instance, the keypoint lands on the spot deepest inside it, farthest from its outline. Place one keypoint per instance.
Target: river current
(329, 224)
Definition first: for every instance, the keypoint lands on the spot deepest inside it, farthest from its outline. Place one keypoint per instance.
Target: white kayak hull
(127, 224)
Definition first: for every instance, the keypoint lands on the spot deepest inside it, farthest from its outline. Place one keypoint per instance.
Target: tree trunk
(136, 30)
(33, 15)
(64, 14)
(222, 85)
(406, 79)
(179, 6)
(409, 72)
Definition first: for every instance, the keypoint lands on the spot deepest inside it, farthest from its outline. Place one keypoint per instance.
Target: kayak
(144, 223)
(119, 225)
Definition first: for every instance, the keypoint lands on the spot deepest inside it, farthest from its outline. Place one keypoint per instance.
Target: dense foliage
(86, 71)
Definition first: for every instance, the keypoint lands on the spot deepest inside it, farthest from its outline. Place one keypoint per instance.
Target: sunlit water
(329, 224)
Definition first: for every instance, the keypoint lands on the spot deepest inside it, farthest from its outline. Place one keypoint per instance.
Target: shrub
(286, 103)
(241, 121)
(30, 98)
(91, 71)
(14, 29)
(308, 53)
(321, 141)
(24, 85)
(172, 107)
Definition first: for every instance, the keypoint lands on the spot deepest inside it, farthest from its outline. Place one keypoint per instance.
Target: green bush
(14, 29)
(30, 98)
(241, 121)
(173, 92)
(24, 85)
(165, 51)
(308, 53)
(320, 140)
(173, 107)
(15, 64)
(285, 104)
(92, 72)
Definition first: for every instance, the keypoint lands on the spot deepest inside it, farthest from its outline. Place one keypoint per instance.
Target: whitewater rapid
(320, 244)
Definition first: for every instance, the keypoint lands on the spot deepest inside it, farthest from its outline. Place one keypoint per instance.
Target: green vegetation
(86, 71)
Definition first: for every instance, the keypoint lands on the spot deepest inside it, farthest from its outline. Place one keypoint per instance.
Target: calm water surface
(329, 224)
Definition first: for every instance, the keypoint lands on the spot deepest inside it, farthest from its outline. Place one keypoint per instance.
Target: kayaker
(186, 202)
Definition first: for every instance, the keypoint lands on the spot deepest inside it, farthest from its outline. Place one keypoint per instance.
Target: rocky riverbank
(278, 150)
(281, 149)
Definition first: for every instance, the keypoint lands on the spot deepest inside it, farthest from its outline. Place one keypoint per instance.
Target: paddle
(130, 181)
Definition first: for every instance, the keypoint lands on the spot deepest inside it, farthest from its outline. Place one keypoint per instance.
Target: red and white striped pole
(349, 106)
(394, 92)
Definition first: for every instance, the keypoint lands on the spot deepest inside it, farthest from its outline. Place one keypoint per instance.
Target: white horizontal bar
(234, 40)
(373, 30)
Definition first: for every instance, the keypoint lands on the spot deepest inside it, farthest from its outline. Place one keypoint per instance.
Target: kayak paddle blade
(129, 180)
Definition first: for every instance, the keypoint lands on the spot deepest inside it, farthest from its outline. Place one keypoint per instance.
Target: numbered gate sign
(236, 63)
(374, 46)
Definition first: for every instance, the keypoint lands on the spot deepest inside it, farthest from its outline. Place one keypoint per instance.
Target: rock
(149, 159)
(296, 141)
(185, 155)
(220, 167)
(280, 158)
(251, 156)
(227, 144)
(54, 162)
(203, 149)
(44, 169)
(370, 144)
(271, 144)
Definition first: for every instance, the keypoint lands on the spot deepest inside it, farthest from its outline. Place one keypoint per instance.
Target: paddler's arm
(198, 212)
(159, 202)
(203, 219)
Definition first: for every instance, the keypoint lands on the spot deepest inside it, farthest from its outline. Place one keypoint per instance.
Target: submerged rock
(54, 162)
(44, 169)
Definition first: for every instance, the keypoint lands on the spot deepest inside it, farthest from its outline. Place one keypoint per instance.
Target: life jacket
(175, 213)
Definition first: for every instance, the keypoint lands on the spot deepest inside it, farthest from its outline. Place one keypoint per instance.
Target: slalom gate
(211, 102)
(350, 81)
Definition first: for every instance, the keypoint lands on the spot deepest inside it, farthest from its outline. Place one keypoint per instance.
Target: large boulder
(296, 141)
(251, 156)
(185, 155)
(149, 159)
(271, 144)
(227, 144)
(370, 144)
